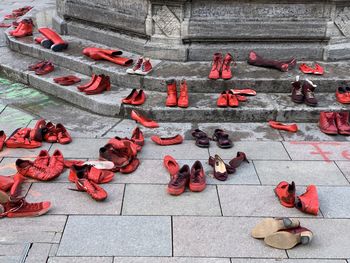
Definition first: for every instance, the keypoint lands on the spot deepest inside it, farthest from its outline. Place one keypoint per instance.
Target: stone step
(260, 79)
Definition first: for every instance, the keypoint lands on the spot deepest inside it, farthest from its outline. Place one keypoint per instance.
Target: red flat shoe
(343, 95)
(58, 43)
(87, 85)
(286, 193)
(285, 127)
(241, 98)
(308, 202)
(130, 97)
(171, 165)
(37, 65)
(139, 99)
(232, 99)
(21, 139)
(67, 80)
(136, 116)
(306, 69)
(45, 69)
(177, 139)
(245, 92)
(222, 100)
(2, 139)
(318, 70)
(131, 167)
(101, 84)
(63, 136)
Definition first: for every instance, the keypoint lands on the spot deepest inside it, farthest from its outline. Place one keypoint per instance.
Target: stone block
(80, 260)
(234, 260)
(170, 260)
(344, 166)
(12, 119)
(335, 201)
(39, 252)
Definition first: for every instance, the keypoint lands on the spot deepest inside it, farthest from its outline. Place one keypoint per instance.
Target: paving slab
(219, 237)
(159, 202)
(12, 119)
(254, 150)
(116, 236)
(12, 252)
(344, 166)
(325, 151)
(245, 200)
(9, 259)
(65, 201)
(335, 201)
(330, 241)
(246, 260)
(39, 252)
(301, 172)
(171, 260)
(80, 260)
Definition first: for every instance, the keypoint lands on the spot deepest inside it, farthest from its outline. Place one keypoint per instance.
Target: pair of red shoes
(107, 54)
(334, 123)
(343, 95)
(177, 139)
(49, 132)
(135, 97)
(228, 98)
(142, 67)
(21, 138)
(316, 70)
(18, 12)
(43, 168)
(172, 99)
(97, 85)
(24, 28)
(307, 202)
(194, 178)
(285, 127)
(138, 117)
(67, 80)
(221, 67)
(42, 68)
(51, 40)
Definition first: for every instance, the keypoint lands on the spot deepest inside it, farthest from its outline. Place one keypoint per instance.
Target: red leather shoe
(56, 166)
(139, 99)
(42, 160)
(6, 183)
(21, 208)
(216, 67)
(2, 139)
(177, 139)
(306, 69)
(222, 100)
(50, 134)
(130, 97)
(285, 127)
(308, 202)
(24, 29)
(87, 85)
(106, 54)
(245, 92)
(93, 174)
(183, 98)
(286, 193)
(232, 99)
(63, 136)
(58, 43)
(327, 123)
(37, 65)
(131, 167)
(136, 116)
(238, 160)
(171, 99)
(179, 181)
(220, 171)
(318, 70)
(67, 80)
(226, 67)
(20, 139)
(45, 69)
(343, 95)
(229, 168)
(171, 165)
(37, 132)
(197, 178)
(146, 67)
(101, 84)
(137, 136)
(136, 67)
(342, 121)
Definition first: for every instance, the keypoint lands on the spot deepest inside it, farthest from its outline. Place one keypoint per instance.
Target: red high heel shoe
(143, 120)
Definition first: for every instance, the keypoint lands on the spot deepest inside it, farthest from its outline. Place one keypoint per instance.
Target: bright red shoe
(45, 69)
(87, 85)
(26, 168)
(179, 181)
(67, 80)
(286, 193)
(93, 174)
(308, 202)
(58, 43)
(171, 99)
(342, 121)
(197, 178)
(284, 127)
(42, 160)
(137, 136)
(171, 165)
(20, 139)
(232, 99)
(6, 183)
(306, 69)
(56, 166)
(16, 189)
(215, 71)
(21, 208)
(130, 97)
(318, 70)
(139, 99)
(136, 67)
(24, 29)
(241, 98)
(136, 116)
(50, 134)
(131, 167)
(37, 132)
(183, 98)
(343, 95)
(177, 139)
(63, 136)
(226, 67)
(37, 65)
(222, 100)
(2, 139)
(245, 92)
(146, 67)
(327, 123)
(101, 84)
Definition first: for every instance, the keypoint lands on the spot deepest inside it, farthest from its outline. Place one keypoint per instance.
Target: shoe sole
(270, 225)
(197, 188)
(329, 133)
(286, 240)
(175, 192)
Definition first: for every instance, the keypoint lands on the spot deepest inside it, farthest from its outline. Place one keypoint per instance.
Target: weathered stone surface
(39, 252)
(335, 201)
(12, 119)
(170, 260)
(80, 260)
(234, 260)
(345, 168)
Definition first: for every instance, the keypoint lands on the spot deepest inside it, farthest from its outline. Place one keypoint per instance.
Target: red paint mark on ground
(318, 149)
(346, 154)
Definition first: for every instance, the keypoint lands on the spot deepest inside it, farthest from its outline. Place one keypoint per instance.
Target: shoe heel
(290, 223)
(306, 237)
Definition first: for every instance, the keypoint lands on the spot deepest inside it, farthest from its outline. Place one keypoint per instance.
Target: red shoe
(137, 137)
(130, 97)
(229, 168)
(87, 85)
(177, 139)
(6, 183)
(109, 55)
(2, 139)
(24, 29)
(58, 43)
(67, 80)
(37, 132)
(179, 181)
(327, 123)
(26, 168)
(171, 165)
(50, 134)
(101, 84)
(63, 136)
(197, 178)
(306, 69)
(286, 193)
(183, 98)
(245, 92)
(285, 127)
(131, 167)
(146, 67)
(308, 202)
(20, 208)
(45, 69)
(318, 70)
(226, 67)
(222, 100)
(110, 52)
(37, 65)
(232, 99)
(56, 166)
(216, 67)
(93, 174)
(139, 99)
(343, 95)
(342, 121)
(171, 99)
(4, 25)
(241, 98)
(136, 116)
(20, 139)
(136, 67)
(238, 160)
(42, 160)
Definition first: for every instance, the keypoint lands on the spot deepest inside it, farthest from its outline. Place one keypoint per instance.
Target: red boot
(24, 29)
(171, 100)
(226, 67)
(308, 202)
(327, 123)
(342, 121)
(286, 193)
(216, 67)
(21, 208)
(183, 98)
(58, 43)
(101, 84)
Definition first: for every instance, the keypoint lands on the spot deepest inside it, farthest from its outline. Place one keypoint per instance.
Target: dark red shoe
(131, 167)
(67, 80)
(285, 127)
(27, 168)
(42, 160)
(309, 95)
(297, 91)
(182, 102)
(286, 193)
(58, 43)
(90, 172)
(171, 165)
(139, 99)
(171, 100)
(101, 84)
(342, 121)
(215, 71)
(37, 132)
(177, 139)
(232, 99)
(222, 100)
(220, 171)
(63, 136)
(327, 123)
(179, 181)
(136, 116)
(229, 168)
(87, 85)
(146, 67)
(308, 202)
(343, 95)
(37, 65)
(222, 139)
(45, 69)
(21, 208)
(238, 160)
(2, 139)
(130, 97)
(137, 137)
(197, 178)
(50, 134)
(226, 67)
